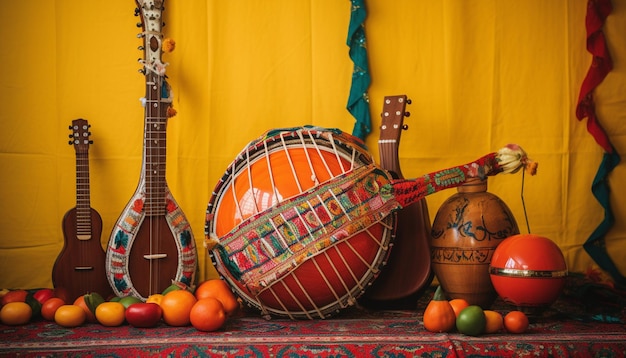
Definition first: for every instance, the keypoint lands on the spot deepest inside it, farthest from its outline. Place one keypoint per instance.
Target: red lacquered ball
(528, 270)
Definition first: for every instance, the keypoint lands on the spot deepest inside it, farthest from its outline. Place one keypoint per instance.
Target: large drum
(302, 220)
(277, 166)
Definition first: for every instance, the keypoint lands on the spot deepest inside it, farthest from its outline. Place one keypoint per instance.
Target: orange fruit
(70, 316)
(49, 307)
(218, 288)
(155, 298)
(15, 313)
(495, 321)
(458, 304)
(110, 314)
(80, 302)
(14, 296)
(176, 306)
(516, 322)
(207, 314)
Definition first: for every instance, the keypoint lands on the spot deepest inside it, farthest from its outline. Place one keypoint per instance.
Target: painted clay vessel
(465, 233)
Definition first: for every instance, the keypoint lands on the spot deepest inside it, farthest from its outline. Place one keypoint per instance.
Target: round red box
(528, 270)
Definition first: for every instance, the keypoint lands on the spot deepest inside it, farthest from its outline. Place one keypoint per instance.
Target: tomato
(471, 321)
(110, 314)
(70, 316)
(43, 295)
(207, 314)
(89, 315)
(49, 308)
(458, 304)
(14, 296)
(15, 313)
(516, 322)
(143, 315)
(218, 288)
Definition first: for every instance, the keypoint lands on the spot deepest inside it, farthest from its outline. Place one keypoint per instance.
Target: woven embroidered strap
(265, 247)
(408, 191)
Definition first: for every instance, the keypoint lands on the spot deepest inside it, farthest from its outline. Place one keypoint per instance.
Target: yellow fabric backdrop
(480, 73)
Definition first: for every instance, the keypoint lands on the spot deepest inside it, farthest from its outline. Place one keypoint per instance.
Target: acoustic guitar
(152, 245)
(408, 270)
(79, 268)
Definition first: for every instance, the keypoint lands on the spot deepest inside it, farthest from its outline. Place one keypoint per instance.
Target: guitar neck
(81, 141)
(157, 103)
(155, 144)
(389, 160)
(83, 201)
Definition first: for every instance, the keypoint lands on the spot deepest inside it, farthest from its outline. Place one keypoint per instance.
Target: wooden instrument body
(408, 270)
(80, 266)
(152, 244)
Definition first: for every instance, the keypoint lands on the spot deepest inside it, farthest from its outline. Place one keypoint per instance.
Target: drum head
(280, 165)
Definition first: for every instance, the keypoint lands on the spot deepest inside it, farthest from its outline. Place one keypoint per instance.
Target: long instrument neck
(389, 160)
(83, 204)
(155, 145)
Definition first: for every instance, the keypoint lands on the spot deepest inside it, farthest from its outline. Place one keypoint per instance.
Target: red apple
(143, 315)
(43, 294)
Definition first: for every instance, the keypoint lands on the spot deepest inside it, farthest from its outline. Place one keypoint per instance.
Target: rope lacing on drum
(308, 159)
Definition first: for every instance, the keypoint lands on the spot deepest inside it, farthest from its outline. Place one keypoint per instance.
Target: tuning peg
(405, 126)
(138, 24)
(90, 142)
(69, 127)
(141, 48)
(407, 114)
(137, 11)
(408, 101)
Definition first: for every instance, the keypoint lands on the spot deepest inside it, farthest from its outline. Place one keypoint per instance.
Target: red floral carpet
(566, 330)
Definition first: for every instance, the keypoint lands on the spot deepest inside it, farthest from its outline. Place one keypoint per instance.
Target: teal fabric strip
(358, 101)
(595, 244)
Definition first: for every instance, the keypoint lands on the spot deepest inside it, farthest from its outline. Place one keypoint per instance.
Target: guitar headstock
(80, 135)
(394, 111)
(151, 14)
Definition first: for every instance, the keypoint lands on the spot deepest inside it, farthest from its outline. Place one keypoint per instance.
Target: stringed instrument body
(408, 270)
(79, 267)
(152, 245)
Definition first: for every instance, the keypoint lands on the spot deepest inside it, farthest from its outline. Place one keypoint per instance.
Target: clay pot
(465, 233)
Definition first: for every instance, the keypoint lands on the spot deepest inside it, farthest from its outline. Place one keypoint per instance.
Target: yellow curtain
(480, 74)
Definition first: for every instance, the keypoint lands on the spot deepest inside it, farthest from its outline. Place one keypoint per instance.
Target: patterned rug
(567, 329)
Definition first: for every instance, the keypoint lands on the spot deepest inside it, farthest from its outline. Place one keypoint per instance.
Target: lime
(129, 300)
(471, 321)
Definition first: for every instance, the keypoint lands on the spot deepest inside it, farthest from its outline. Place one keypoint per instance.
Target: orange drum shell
(273, 171)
